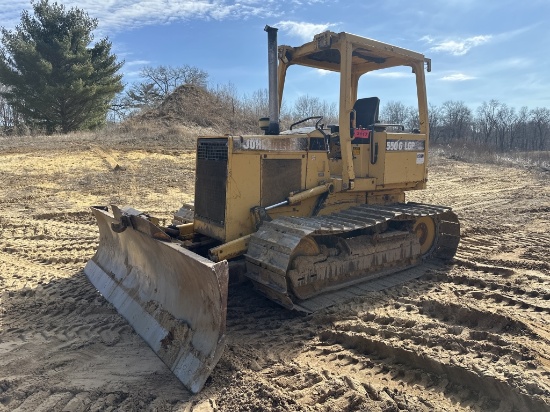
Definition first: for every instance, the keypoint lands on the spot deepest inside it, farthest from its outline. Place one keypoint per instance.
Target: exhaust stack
(273, 128)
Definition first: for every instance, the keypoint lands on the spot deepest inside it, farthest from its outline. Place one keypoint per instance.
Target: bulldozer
(309, 215)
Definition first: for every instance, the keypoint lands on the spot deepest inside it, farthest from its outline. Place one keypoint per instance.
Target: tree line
(493, 125)
(53, 78)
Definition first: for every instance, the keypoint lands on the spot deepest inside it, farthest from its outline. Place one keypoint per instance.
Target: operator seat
(366, 112)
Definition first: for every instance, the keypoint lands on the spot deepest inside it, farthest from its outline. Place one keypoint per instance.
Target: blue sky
(480, 50)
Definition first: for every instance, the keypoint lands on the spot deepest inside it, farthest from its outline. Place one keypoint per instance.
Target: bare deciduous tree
(505, 120)
(457, 119)
(165, 79)
(435, 120)
(308, 106)
(157, 83)
(540, 118)
(486, 119)
(9, 118)
(394, 112)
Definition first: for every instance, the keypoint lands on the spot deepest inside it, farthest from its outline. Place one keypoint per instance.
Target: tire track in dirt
(307, 378)
(411, 353)
(65, 331)
(49, 241)
(55, 327)
(451, 342)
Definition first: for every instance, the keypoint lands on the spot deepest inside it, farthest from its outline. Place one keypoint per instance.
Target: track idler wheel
(425, 230)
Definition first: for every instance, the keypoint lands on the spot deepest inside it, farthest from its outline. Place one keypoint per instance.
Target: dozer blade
(175, 299)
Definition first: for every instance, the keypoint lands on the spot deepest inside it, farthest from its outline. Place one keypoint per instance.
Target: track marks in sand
(56, 330)
(446, 350)
(69, 310)
(472, 336)
(511, 248)
(72, 400)
(424, 346)
(55, 345)
(50, 241)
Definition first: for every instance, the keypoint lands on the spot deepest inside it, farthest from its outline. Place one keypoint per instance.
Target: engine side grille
(212, 149)
(210, 189)
(279, 178)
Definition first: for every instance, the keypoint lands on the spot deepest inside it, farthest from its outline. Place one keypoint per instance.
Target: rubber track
(278, 238)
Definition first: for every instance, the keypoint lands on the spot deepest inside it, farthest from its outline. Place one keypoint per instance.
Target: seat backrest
(366, 111)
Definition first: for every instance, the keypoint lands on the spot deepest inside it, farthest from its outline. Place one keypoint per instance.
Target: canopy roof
(367, 54)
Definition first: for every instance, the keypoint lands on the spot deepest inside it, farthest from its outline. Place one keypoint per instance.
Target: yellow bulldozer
(306, 214)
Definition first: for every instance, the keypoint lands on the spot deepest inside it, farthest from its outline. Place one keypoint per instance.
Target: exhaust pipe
(272, 52)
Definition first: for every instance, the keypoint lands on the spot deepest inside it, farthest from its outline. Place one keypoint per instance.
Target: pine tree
(55, 80)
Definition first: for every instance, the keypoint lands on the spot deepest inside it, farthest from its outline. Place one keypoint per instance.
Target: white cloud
(323, 73)
(118, 15)
(427, 39)
(132, 74)
(457, 77)
(391, 75)
(137, 63)
(303, 30)
(307, 2)
(458, 47)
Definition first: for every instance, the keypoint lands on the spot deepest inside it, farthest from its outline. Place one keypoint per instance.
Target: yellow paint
(354, 175)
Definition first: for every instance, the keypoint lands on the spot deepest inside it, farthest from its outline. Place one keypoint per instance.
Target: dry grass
(156, 134)
(472, 153)
(130, 135)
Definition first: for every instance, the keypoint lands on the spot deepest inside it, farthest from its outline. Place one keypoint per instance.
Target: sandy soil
(474, 335)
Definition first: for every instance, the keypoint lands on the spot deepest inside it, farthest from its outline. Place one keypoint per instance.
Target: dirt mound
(195, 106)
(187, 113)
(187, 104)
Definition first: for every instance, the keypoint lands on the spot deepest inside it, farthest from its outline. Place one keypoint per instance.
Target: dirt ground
(474, 335)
